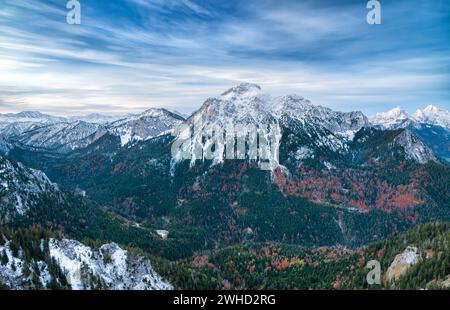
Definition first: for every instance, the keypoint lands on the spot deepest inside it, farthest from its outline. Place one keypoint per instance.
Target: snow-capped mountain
(61, 137)
(434, 116)
(9, 130)
(144, 126)
(312, 127)
(12, 125)
(97, 118)
(83, 268)
(44, 132)
(246, 103)
(30, 117)
(392, 119)
(431, 125)
(398, 118)
(21, 188)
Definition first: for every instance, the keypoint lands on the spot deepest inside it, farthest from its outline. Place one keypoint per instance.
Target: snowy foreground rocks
(108, 267)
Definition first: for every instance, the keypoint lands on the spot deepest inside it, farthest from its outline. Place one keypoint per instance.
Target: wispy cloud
(129, 55)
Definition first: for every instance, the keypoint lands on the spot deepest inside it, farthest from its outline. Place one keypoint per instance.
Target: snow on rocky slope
(402, 262)
(108, 267)
(12, 125)
(38, 130)
(414, 148)
(21, 188)
(144, 126)
(30, 117)
(11, 129)
(246, 105)
(97, 118)
(392, 119)
(41, 131)
(313, 130)
(61, 137)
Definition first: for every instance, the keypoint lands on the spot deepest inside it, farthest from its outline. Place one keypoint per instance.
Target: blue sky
(130, 55)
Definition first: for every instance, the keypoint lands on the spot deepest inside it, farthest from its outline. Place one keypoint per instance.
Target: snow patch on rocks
(111, 266)
(21, 188)
(414, 148)
(402, 262)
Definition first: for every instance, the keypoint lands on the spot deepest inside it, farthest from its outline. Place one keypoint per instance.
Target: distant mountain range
(398, 118)
(341, 179)
(45, 132)
(246, 104)
(431, 124)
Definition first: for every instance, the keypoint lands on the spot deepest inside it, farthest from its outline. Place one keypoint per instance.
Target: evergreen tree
(4, 258)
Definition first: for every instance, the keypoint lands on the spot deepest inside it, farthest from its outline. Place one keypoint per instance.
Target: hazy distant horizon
(127, 113)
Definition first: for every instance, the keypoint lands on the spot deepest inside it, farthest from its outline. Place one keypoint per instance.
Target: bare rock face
(402, 262)
(414, 148)
(446, 283)
(164, 234)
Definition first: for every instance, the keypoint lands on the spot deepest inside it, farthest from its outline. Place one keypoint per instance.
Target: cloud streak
(129, 55)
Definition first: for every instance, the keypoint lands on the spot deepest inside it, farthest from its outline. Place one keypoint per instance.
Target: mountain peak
(432, 109)
(433, 115)
(153, 112)
(397, 112)
(243, 90)
(429, 110)
(149, 124)
(418, 114)
(30, 114)
(394, 118)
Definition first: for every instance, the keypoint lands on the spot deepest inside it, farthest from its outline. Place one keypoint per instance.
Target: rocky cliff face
(402, 263)
(414, 148)
(306, 125)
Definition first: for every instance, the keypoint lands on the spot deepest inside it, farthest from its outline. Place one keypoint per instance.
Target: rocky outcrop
(402, 263)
